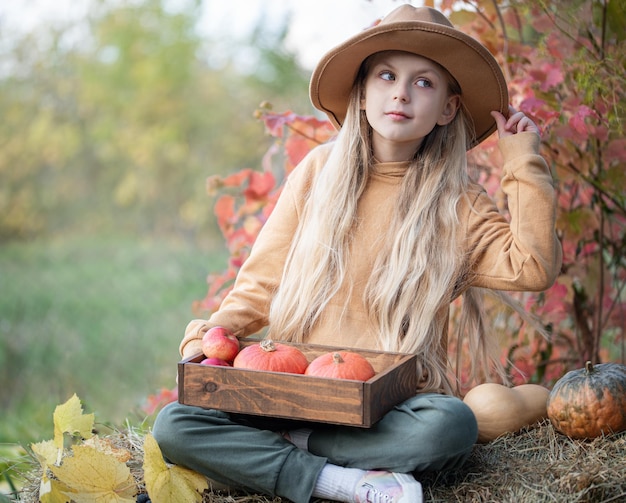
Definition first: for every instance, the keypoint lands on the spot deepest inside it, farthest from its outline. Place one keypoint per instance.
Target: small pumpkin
(273, 357)
(500, 409)
(589, 402)
(341, 365)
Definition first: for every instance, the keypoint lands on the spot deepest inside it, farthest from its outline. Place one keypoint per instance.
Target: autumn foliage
(246, 198)
(565, 65)
(81, 466)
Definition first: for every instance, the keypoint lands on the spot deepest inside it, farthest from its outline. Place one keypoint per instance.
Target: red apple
(219, 342)
(215, 361)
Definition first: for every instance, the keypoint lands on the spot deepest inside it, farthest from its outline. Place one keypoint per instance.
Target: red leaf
(554, 308)
(577, 121)
(216, 182)
(159, 400)
(274, 123)
(237, 179)
(616, 150)
(538, 109)
(225, 211)
(259, 185)
(306, 134)
(553, 78)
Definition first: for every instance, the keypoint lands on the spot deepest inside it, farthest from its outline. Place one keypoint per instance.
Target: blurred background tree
(114, 122)
(111, 123)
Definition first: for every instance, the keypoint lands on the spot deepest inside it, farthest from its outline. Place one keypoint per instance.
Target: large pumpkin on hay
(589, 402)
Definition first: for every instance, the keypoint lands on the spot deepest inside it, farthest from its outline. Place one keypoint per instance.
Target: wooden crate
(295, 396)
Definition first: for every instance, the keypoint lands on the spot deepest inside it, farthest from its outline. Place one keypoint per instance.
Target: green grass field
(99, 317)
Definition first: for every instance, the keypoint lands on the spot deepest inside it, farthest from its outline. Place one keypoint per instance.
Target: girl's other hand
(516, 123)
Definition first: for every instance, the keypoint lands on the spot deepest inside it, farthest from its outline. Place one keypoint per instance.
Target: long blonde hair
(422, 268)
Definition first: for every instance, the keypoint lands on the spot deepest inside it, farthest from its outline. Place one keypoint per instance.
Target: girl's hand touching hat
(516, 123)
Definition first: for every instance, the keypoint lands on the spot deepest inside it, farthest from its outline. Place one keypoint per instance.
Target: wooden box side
(390, 387)
(273, 394)
(294, 396)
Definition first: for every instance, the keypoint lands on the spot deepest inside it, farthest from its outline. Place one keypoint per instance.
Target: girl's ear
(362, 101)
(450, 109)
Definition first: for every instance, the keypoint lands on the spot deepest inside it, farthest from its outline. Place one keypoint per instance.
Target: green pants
(427, 432)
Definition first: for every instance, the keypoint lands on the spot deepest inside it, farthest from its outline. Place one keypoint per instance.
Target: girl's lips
(396, 114)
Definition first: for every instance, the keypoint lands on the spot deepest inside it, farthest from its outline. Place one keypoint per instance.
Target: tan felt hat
(426, 32)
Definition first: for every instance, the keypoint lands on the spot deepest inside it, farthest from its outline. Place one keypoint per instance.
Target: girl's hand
(516, 123)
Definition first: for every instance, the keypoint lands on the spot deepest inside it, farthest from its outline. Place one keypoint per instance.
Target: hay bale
(535, 465)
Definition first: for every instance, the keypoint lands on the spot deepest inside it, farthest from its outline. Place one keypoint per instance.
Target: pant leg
(212, 443)
(428, 432)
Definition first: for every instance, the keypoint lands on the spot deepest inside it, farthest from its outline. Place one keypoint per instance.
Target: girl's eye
(424, 83)
(387, 75)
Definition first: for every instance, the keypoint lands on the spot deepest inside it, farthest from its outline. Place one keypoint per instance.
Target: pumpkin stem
(337, 358)
(267, 345)
(589, 367)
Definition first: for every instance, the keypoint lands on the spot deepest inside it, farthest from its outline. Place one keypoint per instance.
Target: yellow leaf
(169, 483)
(47, 453)
(52, 491)
(106, 446)
(93, 476)
(69, 418)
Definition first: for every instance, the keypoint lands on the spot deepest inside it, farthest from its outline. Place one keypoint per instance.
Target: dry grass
(534, 466)
(537, 465)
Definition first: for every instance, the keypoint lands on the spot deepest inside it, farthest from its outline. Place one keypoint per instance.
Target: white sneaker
(388, 487)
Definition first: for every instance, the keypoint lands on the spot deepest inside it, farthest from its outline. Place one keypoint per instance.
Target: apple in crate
(215, 361)
(220, 342)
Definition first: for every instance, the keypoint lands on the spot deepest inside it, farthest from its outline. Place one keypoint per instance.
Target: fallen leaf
(47, 453)
(93, 476)
(106, 446)
(52, 491)
(169, 483)
(69, 418)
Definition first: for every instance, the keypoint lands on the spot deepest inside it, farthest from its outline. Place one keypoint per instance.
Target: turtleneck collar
(395, 169)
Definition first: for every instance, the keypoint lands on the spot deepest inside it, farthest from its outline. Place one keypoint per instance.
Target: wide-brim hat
(428, 33)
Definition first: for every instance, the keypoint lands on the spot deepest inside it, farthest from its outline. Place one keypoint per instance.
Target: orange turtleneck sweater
(523, 254)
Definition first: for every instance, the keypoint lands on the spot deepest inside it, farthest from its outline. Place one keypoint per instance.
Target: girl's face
(405, 96)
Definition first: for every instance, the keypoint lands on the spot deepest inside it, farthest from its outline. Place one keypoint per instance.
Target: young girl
(373, 237)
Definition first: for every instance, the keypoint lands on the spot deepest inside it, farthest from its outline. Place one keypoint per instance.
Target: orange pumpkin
(271, 356)
(589, 402)
(341, 365)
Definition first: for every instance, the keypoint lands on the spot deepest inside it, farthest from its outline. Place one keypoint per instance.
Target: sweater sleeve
(245, 309)
(525, 253)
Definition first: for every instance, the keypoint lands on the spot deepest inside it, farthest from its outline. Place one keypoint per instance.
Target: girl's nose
(400, 93)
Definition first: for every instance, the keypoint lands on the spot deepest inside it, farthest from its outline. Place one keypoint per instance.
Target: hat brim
(477, 72)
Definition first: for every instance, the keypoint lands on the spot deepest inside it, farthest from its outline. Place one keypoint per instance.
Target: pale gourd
(500, 409)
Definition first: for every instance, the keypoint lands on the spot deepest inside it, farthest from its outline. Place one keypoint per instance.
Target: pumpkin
(589, 402)
(500, 409)
(341, 365)
(271, 356)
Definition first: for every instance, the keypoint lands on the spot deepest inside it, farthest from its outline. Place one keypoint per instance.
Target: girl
(372, 238)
